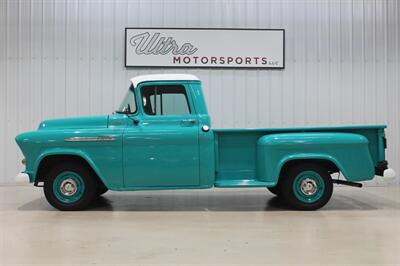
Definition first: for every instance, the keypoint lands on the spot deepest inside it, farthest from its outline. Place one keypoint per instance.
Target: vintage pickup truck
(161, 138)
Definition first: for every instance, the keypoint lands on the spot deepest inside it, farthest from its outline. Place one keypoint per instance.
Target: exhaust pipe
(346, 183)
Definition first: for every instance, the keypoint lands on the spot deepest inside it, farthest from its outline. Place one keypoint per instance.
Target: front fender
(66, 151)
(349, 152)
(103, 155)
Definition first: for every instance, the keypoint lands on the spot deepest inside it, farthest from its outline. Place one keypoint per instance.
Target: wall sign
(212, 48)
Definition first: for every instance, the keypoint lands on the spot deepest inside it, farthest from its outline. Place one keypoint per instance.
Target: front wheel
(276, 190)
(101, 189)
(307, 186)
(70, 187)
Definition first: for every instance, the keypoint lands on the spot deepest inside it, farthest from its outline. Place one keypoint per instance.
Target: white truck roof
(162, 77)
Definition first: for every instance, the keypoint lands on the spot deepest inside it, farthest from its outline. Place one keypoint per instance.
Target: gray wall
(64, 58)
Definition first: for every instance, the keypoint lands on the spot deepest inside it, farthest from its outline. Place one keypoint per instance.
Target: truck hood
(75, 123)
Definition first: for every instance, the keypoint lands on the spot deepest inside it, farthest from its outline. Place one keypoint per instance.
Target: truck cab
(161, 138)
(163, 134)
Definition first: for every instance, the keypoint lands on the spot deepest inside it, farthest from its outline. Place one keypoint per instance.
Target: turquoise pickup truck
(161, 138)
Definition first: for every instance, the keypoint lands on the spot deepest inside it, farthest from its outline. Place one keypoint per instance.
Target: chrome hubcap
(68, 187)
(308, 187)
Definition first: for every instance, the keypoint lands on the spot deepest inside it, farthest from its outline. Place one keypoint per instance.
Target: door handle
(188, 121)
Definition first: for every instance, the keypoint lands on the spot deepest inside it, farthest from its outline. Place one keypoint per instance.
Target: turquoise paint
(166, 153)
(291, 129)
(298, 193)
(91, 159)
(104, 157)
(161, 150)
(207, 149)
(80, 189)
(75, 123)
(240, 183)
(348, 151)
(161, 143)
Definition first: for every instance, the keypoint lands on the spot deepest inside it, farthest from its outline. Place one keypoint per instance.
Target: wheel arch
(47, 160)
(328, 162)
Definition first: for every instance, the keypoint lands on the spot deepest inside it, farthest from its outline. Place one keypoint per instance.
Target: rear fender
(349, 152)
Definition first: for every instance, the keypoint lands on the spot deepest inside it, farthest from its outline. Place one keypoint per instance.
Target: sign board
(211, 48)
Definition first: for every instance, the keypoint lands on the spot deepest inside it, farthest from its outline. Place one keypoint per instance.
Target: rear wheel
(307, 186)
(70, 187)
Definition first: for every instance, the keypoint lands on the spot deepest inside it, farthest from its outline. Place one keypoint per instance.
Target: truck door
(161, 145)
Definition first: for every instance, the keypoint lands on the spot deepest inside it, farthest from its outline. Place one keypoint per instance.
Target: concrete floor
(238, 227)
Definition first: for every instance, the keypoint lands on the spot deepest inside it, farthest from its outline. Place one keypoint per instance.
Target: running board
(232, 183)
(347, 183)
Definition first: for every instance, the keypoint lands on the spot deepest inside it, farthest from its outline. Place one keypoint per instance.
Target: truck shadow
(206, 201)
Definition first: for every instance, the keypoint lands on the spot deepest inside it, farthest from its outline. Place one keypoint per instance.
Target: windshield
(128, 105)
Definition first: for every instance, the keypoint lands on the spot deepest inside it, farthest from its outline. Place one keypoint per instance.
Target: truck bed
(236, 150)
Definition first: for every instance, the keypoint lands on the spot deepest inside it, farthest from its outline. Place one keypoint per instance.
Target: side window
(165, 100)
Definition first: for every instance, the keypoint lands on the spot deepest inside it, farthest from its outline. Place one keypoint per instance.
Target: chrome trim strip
(82, 139)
